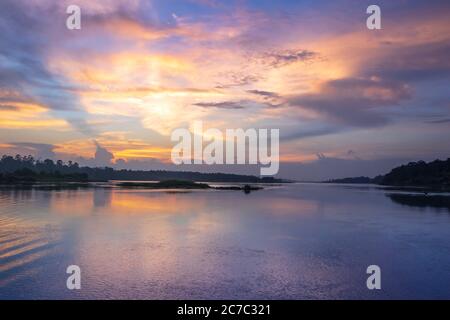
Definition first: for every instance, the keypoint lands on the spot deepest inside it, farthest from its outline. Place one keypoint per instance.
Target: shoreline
(144, 185)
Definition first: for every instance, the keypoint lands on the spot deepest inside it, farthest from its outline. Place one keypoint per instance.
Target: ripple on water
(21, 249)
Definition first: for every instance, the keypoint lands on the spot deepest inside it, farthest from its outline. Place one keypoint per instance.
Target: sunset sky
(348, 101)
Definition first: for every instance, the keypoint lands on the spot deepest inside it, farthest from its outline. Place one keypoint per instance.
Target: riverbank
(153, 185)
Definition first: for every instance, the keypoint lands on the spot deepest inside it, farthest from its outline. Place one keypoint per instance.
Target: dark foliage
(38, 170)
(436, 173)
(168, 184)
(352, 180)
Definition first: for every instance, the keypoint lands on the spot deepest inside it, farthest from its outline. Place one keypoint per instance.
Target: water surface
(296, 241)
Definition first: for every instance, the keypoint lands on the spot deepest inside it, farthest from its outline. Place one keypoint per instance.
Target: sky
(348, 101)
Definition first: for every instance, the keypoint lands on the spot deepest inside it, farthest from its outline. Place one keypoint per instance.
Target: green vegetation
(435, 175)
(183, 184)
(28, 172)
(247, 188)
(24, 176)
(72, 171)
(432, 174)
(352, 180)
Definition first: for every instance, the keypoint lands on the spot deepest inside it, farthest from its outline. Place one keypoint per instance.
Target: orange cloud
(117, 143)
(21, 115)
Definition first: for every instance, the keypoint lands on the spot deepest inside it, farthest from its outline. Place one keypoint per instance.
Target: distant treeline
(26, 168)
(432, 174)
(352, 180)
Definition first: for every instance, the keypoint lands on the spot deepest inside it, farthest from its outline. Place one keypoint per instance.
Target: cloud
(210, 3)
(221, 105)
(281, 58)
(4, 107)
(23, 59)
(38, 150)
(237, 80)
(353, 101)
(440, 121)
(136, 67)
(20, 115)
(235, 105)
(325, 168)
(317, 131)
(353, 154)
(265, 94)
(414, 62)
(102, 156)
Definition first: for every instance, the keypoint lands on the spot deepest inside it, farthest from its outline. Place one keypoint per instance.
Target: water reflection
(294, 241)
(102, 198)
(22, 249)
(422, 201)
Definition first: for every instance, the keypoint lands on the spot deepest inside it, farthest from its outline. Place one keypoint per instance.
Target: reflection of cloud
(101, 198)
(421, 201)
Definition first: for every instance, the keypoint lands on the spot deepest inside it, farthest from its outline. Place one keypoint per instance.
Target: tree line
(29, 168)
(421, 173)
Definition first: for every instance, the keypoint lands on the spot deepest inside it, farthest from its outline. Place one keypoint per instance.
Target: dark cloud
(238, 80)
(265, 94)
(4, 107)
(325, 168)
(353, 101)
(38, 150)
(308, 133)
(235, 105)
(353, 154)
(413, 63)
(321, 156)
(439, 121)
(102, 156)
(9, 95)
(210, 3)
(221, 105)
(281, 58)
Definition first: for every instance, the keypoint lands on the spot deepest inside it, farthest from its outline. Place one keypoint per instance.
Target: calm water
(300, 241)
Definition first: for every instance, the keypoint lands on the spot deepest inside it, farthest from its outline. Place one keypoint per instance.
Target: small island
(183, 184)
(167, 184)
